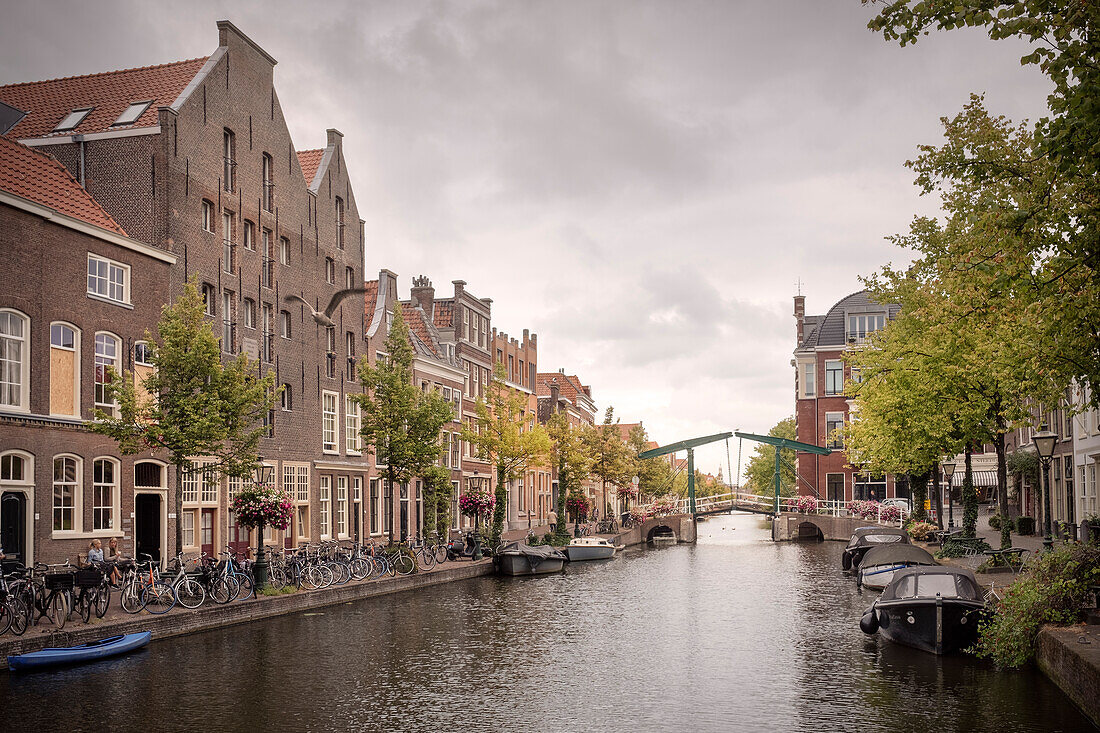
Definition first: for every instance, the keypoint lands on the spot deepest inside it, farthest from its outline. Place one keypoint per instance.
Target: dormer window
(132, 113)
(863, 325)
(73, 119)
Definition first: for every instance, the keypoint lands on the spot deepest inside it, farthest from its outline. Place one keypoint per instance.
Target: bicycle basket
(60, 581)
(88, 577)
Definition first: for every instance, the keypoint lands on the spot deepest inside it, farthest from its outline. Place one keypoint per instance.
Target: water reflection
(735, 633)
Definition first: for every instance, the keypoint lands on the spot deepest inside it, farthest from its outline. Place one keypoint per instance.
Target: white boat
(519, 558)
(589, 548)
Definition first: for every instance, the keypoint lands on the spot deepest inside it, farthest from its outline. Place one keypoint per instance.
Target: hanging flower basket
(630, 491)
(476, 502)
(257, 507)
(638, 515)
(577, 505)
(664, 506)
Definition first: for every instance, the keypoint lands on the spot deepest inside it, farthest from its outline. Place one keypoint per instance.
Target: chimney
(423, 294)
(555, 393)
(335, 137)
(800, 315)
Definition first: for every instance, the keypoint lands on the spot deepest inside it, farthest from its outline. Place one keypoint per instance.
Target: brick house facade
(204, 168)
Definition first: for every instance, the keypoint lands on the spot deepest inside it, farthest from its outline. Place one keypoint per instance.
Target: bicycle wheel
(404, 564)
(158, 598)
(85, 603)
(440, 554)
(360, 568)
(189, 593)
(220, 591)
(276, 576)
(102, 600)
(340, 572)
(131, 598)
(5, 617)
(425, 558)
(327, 576)
(312, 577)
(19, 616)
(57, 608)
(247, 585)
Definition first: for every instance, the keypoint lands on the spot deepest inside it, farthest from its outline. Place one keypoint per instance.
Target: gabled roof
(831, 330)
(109, 93)
(37, 177)
(310, 160)
(569, 386)
(418, 330)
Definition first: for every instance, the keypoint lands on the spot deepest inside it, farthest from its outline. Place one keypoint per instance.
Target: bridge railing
(734, 499)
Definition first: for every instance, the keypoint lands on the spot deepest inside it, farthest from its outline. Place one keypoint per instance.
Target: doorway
(147, 529)
(206, 532)
(13, 525)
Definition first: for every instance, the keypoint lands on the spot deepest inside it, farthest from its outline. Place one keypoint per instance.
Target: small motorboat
(881, 562)
(519, 558)
(864, 538)
(90, 652)
(935, 609)
(589, 548)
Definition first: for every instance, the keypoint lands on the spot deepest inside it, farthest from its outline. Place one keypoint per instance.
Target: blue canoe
(89, 652)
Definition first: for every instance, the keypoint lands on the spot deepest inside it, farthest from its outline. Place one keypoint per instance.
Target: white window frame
(284, 251)
(325, 495)
(249, 307)
(22, 363)
(75, 349)
(352, 422)
(838, 419)
(286, 398)
(249, 236)
(75, 509)
(341, 507)
(114, 490)
(115, 275)
(111, 408)
(839, 387)
(208, 216)
(330, 428)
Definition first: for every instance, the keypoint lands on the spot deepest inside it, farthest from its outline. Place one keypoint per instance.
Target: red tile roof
(444, 315)
(568, 386)
(110, 93)
(370, 298)
(37, 177)
(310, 160)
(415, 318)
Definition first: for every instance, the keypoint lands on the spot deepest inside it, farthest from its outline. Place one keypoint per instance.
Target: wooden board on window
(62, 382)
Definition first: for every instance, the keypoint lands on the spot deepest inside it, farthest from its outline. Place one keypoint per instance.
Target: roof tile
(310, 160)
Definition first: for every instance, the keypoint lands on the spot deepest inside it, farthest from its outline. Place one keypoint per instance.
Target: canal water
(734, 634)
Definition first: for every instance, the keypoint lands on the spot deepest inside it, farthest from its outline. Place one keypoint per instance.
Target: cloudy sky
(643, 184)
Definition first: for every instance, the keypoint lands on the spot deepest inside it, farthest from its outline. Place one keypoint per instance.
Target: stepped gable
(37, 177)
(47, 103)
(310, 160)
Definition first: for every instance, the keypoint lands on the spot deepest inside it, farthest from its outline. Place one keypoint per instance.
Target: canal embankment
(1070, 657)
(180, 621)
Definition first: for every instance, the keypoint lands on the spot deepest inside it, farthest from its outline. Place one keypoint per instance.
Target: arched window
(15, 369)
(16, 468)
(108, 353)
(64, 369)
(105, 475)
(66, 493)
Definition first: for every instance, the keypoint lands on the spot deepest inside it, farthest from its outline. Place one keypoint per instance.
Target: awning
(982, 479)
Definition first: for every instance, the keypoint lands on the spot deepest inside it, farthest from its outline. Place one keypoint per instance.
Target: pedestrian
(552, 518)
(95, 552)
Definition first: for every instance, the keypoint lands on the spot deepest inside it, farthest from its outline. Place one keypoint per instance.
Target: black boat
(931, 608)
(864, 538)
(879, 564)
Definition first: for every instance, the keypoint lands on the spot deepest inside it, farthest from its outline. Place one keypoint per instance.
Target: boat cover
(927, 581)
(869, 536)
(896, 554)
(535, 554)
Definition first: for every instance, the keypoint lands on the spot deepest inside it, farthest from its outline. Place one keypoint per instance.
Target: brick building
(529, 498)
(821, 409)
(195, 159)
(559, 392)
(79, 297)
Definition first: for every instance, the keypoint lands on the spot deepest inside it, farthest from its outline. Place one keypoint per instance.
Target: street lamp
(1044, 446)
(264, 475)
(949, 471)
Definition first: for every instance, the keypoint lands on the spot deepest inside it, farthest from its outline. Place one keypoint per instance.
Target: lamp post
(1044, 446)
(948, 465)
(264, 476)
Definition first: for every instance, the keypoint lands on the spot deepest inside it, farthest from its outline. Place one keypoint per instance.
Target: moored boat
(878, 566)
(519, 558)
(935, 609)
(90, 652)
(589, 548)
(864, 538)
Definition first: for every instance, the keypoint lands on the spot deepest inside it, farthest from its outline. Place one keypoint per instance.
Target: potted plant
(1025, 525)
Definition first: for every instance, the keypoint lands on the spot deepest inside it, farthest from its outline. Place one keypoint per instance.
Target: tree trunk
(501, 508)
(179, 511)
(919, 486)
(969, 496)
(1002, 488)
(560, 532)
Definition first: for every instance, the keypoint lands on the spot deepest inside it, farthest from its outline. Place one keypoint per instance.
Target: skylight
(73, 119)
(132, 113)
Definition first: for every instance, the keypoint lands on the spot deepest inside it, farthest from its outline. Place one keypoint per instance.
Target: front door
(13, 525)
(239, 537)
(206, 532)
(147, 526)
(404, 518)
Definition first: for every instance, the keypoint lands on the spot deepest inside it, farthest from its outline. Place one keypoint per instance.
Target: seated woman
(114, 556)
(95, 552)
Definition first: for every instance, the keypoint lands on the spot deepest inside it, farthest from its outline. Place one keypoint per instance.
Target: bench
(1012, 557)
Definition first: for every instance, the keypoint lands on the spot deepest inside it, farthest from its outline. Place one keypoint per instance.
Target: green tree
(1038, 196)
(571, 461)
(612, 462)
(654, 474)
(760, 470)
(506, 433)
(192, 404)
(436, 483)
(400, 422)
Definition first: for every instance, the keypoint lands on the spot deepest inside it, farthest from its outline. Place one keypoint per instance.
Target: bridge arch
(810, 532)
(661, 530)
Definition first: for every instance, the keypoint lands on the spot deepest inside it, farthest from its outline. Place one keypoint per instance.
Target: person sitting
(95, 552)
(114, 556)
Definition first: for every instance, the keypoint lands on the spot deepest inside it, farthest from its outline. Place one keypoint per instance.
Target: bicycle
(13, 611)
(188, 591)
(52, 592)
(158, 596)
(95, 592)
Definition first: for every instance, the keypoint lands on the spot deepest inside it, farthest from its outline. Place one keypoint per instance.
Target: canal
(735, 633)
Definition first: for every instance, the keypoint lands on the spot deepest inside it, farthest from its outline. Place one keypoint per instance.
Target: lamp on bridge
(949, 471)
(1044, 446)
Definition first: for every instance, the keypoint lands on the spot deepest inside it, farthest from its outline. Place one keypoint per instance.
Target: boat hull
(941, 628)
(103, 649)
(593, 552)
(518, 564)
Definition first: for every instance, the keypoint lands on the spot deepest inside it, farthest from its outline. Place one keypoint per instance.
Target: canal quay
(735, 632)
